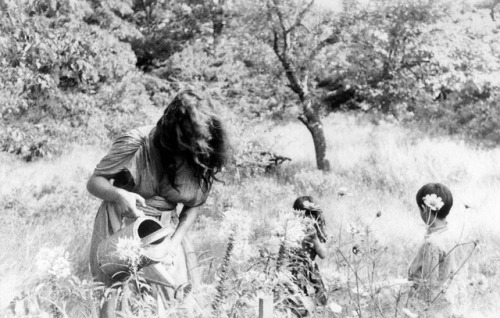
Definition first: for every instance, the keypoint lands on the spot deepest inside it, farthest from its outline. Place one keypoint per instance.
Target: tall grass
(375, 167)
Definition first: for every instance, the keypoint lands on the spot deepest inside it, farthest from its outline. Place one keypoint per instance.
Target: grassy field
(375, 167)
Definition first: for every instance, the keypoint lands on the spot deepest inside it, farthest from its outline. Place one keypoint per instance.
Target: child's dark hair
(439, 190)
(314, 213)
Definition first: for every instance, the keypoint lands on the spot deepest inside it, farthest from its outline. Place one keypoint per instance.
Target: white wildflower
(295, 231)
(353, 229)
(254, 275)
(239, 224)
(409, 313)
(434, 202)
(278, 230)
(342, 191)
(274, 242)
(61, 267)
(335, 308)
(242, 251)
(292, 227)
(130, 250)
(333, 277)
(236, 221)
(53, 262)
(284, 277)
(360, 291)
(309, 205)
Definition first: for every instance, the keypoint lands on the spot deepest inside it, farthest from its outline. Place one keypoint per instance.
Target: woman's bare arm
(102, 188)
(186, 220)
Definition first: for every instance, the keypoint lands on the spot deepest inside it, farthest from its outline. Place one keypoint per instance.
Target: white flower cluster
(130, 250)
(434, 202)
(309, 205)
(255, 275)
(292, 227)
(237, 221)
(354, 229)
(284, 278)
(239, 224)
(53, 262)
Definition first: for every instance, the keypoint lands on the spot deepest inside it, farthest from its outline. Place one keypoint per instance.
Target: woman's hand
(127, 203)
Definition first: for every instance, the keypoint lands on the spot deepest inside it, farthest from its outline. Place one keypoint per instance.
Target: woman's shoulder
(139, 134)
(126, 152)
(131, 140)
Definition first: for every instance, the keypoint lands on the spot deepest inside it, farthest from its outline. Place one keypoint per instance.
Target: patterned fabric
(133, 164)
(434, 263)
(134, 161)
(306, 272)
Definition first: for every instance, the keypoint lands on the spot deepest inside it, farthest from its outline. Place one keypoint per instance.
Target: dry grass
(381, 166)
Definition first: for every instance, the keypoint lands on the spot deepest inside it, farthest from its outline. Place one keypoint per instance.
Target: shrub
(54, 70)
(469, 114)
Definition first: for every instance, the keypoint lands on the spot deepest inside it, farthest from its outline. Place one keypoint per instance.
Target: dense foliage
(82, 71)
(78, 71)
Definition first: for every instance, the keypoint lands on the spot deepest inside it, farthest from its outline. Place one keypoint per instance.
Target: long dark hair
(190, 128)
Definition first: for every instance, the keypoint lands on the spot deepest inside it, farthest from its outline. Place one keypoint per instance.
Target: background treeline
(81, 71)
(377, 83)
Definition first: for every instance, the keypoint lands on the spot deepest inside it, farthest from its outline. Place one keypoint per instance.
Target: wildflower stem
(54, 305)
(355, 272)
(282, 255)
(448, 282)
(221, 288)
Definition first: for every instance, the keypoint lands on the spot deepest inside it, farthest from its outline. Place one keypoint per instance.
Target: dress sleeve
(415, 269)
(122, 155)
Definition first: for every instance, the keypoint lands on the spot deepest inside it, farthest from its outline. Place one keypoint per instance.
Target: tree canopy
(77, 70)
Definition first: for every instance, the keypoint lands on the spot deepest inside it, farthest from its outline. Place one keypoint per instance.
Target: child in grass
(305, 270)
(434, 265)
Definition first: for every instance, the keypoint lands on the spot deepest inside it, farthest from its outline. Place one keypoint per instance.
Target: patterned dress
(306, 272)
(433, 267)
(134, 165)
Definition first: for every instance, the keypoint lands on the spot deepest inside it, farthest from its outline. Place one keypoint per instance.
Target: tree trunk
(281, 44)
(315, 127)
(218, 22)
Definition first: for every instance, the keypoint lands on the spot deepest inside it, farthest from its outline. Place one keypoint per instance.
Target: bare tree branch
(303, 119)
(492, 10)
(332, 39)
(300, 17)
(275, 45)
(283, 52)
(281, 19)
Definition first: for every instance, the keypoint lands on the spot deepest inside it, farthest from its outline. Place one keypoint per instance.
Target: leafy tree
(53, 67)
(402, 57)
(296, 32)
(157, 29)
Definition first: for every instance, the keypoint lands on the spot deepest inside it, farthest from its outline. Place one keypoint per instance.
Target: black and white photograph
(249, 158)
